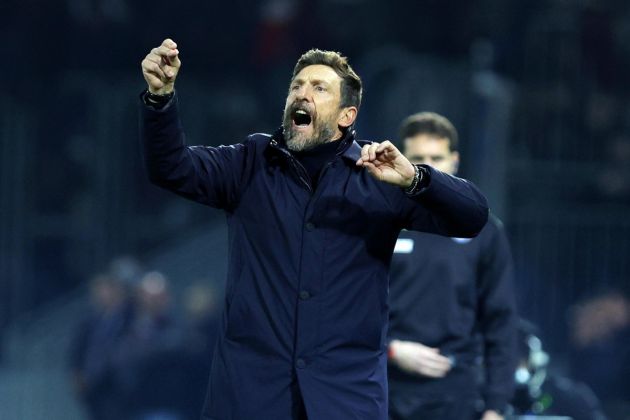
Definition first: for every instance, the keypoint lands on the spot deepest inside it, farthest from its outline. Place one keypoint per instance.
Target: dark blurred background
(539, 90)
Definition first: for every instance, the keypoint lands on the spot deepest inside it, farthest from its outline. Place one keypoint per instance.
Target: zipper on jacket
(300, 171)
(297, 167)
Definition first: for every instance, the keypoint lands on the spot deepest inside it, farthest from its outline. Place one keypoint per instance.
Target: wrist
(413, 173)
(157, 101)
(163, 91)
(411, 186)
(423, 180)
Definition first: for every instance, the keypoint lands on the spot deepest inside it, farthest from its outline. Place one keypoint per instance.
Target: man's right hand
(419, 359)
(160, 67)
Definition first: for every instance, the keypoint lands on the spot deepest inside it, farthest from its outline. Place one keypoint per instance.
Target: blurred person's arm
(76, 355)
(418, 359)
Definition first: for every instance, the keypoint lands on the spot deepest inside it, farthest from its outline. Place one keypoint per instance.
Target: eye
(295, 87)
(320, 88)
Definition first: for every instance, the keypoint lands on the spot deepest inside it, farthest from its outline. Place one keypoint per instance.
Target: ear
(347, 116)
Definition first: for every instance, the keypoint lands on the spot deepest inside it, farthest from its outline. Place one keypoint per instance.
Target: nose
(302, 93)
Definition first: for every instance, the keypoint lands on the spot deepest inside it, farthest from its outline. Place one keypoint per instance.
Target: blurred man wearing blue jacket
(313, 217)
(451, 306)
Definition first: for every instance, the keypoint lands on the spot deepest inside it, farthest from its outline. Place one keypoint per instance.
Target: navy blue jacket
(306, 294)
(457, 295)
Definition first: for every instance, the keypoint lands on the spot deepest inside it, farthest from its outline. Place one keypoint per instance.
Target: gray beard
(298, 143)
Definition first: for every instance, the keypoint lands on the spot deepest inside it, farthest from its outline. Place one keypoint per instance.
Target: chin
(300, 143)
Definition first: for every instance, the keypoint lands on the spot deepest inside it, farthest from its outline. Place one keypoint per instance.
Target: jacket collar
(349, 149)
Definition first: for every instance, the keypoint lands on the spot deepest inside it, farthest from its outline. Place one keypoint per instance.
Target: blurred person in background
(542, 393)
(451, 304)
(613, 182)
(313, 217)
(146, 357)
(127, 269)
(201, 323)
(600, 356)
(94, 344)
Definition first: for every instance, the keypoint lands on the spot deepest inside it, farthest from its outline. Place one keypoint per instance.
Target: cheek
(328, 119)
(328, 112)
(290, 99)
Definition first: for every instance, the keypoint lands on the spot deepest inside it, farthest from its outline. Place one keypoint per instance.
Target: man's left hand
(491, 415)
(385, 163)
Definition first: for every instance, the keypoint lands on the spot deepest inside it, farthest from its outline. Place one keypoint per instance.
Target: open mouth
(301, 118)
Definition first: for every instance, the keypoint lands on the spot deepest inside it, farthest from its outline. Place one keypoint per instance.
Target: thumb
(173, 60)
(372, 170)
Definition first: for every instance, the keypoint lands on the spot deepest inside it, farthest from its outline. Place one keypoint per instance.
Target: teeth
(301, 111)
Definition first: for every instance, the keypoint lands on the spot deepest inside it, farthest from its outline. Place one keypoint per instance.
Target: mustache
(300, 104)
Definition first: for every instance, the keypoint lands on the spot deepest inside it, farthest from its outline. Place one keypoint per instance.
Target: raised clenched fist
(160, 67)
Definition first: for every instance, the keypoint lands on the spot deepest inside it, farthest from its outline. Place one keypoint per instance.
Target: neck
(338, 135)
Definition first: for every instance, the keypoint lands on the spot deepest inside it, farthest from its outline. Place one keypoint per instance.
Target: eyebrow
(313, 82)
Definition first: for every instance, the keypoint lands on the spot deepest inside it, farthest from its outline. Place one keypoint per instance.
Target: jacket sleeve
(209, 175)
(497, 318)
(448, 206)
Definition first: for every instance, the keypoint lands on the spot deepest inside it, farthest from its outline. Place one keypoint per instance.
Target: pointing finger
(165, 56)
(166, 52)
(169, 43)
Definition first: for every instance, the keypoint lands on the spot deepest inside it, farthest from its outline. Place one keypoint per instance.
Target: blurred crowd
(140, 353)
(593, 383)
(143, 352)
(600, 349)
